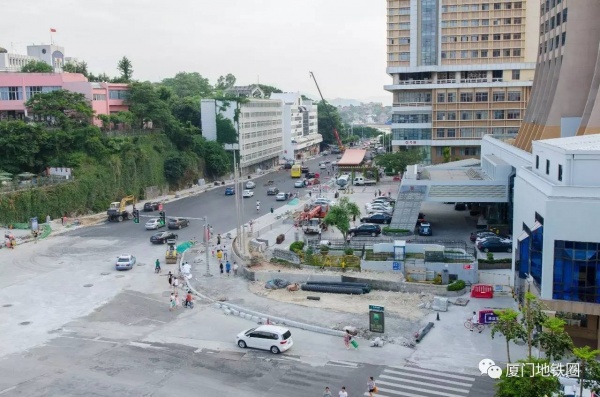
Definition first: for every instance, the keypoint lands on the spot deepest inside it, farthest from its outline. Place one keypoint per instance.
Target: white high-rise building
(301, 138)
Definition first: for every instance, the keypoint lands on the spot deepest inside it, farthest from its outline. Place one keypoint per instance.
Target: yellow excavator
(171, 255)
(117, 212)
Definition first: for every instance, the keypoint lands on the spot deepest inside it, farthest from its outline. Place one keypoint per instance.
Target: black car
(495, 245)
(425, 229)
(366, 229)
(481, 233)
(272, 191)
(177, 223)
(460, 206)
(288, 166)
(377, 218)
(310, 175)
(304, 169)
(149, 207)
(162, 237)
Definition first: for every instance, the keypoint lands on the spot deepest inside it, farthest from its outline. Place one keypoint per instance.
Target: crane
(335, 132)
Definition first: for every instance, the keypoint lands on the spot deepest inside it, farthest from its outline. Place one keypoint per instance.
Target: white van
(343, 181)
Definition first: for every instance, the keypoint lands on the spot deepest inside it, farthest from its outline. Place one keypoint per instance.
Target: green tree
(20, 146)
(226, 132)
(76, 67)
(186, 110)
(61, 107)
(329, 118)
(589, 368)
(217, 161)
(509, 326)
(531, 383)
(398, 161)
(126, 69)
(225, 82)
(554, 340)
(174, 169)
(146, 106)
(186, 85)
(339, 215)
(37, 67)
(533, 318)
(268, 90)
(447, 154)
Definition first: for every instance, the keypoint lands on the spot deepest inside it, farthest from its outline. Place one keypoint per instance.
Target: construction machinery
(335, 132)
(171, 254)
(313, 226)
(117, 212)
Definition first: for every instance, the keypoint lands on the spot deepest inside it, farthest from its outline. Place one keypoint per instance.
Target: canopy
(352, 157)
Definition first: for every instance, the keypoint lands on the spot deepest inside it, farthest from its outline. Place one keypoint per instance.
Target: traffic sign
(396, 266)
(160, 207)
(376, 308)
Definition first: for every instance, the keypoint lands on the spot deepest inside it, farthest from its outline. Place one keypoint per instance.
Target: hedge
(457, 285)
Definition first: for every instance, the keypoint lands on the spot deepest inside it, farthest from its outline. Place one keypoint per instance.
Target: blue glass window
(576, 271)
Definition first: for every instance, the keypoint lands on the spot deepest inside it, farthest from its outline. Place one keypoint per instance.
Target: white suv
(266, 337)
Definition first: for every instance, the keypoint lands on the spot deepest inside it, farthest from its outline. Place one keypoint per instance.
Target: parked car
(281, 196)
(288, 166)
(424, 229)
(379, 207)
(310, 175)
(481, 233)
(177, 223)
(148, 207)
(299, 184)
(339, 156)
(247, 193)
(304, 169)
(481, 239)
(381, 218)
(153, 224)
(250, 185)
(384, 199)
(266, 337)
(460, 206)
(366, 229)
(229, 191)
(162, 237)
(325, 152)
(272, 191)
(323, 166)
(324, 201)
(495, 245)
(125, 262)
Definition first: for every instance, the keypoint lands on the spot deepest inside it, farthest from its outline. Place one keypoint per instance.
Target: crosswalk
(417, 382)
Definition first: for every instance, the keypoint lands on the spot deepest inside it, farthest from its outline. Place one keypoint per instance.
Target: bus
(343, 181)
(296, 171)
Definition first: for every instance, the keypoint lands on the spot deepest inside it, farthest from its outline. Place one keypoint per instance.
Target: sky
(274, 42)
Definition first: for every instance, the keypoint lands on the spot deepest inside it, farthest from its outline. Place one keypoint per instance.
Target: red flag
(52, 30)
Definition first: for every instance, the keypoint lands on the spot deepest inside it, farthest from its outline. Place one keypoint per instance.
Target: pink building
(16, 88)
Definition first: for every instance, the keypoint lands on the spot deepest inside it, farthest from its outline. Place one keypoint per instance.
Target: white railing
(413, 104)
(410, 82)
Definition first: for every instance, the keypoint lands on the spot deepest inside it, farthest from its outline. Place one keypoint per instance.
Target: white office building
(301, 138)
(51, 54)
(259, 127)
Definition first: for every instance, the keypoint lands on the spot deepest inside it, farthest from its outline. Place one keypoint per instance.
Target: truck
(362, 181)
(117, 212)
(171, 254)
(312, 226)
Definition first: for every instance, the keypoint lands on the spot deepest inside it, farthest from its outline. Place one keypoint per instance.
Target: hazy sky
(275, 41)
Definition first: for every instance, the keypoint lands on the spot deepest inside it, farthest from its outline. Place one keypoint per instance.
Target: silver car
(125, 262)
(153, 224)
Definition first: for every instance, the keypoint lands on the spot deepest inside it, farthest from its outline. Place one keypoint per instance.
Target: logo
(488, 367)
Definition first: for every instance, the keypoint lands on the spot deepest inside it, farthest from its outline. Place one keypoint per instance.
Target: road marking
(450, 382)
(144, 297)
(149, 319)
(417, 389)
(438, 373)
(90, 339)
(345, 364)
(146, 346)
(7, 390)
(414, 382)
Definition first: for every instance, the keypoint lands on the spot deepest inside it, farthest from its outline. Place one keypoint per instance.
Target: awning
(352, 157)
(522, 236)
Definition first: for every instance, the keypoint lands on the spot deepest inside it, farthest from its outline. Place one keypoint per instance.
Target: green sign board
(376, 308)
(377, 321)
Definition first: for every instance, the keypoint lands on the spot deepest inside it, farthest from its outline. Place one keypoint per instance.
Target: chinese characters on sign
(569, 370)
(411, 142)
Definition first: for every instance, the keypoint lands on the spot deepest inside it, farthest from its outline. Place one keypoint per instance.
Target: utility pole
(237, 193)
(207, 245)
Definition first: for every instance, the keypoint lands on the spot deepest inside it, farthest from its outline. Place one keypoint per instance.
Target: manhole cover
(119, 276)
(104, 274)
(88, 285)
(25, 323)
(7, 305)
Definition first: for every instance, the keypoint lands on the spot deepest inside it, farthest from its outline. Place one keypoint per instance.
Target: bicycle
(469, 325)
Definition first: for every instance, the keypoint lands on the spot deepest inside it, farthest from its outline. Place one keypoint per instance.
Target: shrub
(437, 279)
(280, 239)
(457, 285)
(388, 229)
(349, 251)
(324, 249)
(490, 256)
(297, 246)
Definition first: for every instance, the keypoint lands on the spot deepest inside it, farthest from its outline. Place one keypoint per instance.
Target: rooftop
(246, 91)
(352, 157)
(580, 144)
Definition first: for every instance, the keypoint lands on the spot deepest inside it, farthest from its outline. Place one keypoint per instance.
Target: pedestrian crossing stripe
(418, 382)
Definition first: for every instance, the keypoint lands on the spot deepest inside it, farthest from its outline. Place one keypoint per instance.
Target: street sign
(468, 267)
(160, 207)
(376, 308)
(377, 321)
(396, 266)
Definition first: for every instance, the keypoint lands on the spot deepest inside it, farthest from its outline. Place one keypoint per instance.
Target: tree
(225, 82)
(329, 118)
(398, 161)
(339, 215)
(174, 169)
(533, 318)
(37, 67)
(509, 326)
(145, 104)
(447, 153)
(186, 110)
(189, 85)
(226, 132)
(126, 68)
(268, 90)
(61, 107)
(21, 146)
(531, 383)
(589, 368)
(217, 161)
(76, 67)
(554, 340)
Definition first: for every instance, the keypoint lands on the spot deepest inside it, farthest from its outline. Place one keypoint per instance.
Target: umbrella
(26, 175)
(5, 178)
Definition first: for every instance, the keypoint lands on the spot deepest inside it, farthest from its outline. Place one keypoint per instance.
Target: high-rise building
(461, 69)
(564, 99)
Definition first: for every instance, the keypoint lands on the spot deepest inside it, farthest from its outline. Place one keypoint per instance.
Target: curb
(257, 316)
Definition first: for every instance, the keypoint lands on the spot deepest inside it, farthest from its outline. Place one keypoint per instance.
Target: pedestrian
(389, 193)
(170, 275)
(219, 239)
(211, 232)
(172, 302)
(380, 192)
(175, 283)
(177, 301)
(227, 267)
(213, 251)
(309, 193)
(327, 392)
(225, 253)
(235, 268)
(343, 392)
(221, 267)
(347, 339)
(348, 238)
(371, 386)
(375, 193)
(219, 255)
(188, 299)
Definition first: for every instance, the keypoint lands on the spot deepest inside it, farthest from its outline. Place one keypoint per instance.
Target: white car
(266, 337)
(153, 224)
(379, 206)
(247, 193)
(299, 184)
(250, 185)
(323, 166)
(281, 196)
(125, 262)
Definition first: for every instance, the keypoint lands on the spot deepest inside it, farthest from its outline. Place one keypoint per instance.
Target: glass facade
(405, 134)
(428, 19)
(530, 255)
(576, 271)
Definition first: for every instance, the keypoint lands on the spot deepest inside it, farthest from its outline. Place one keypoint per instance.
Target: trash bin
(445, 277)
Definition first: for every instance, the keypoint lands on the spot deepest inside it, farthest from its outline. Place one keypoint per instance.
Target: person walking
(221, 267)
(327, 392)
(225, 253)
(172, 302)
(219, 255)
(170, 277)
(343, 392)
(371, 386)
(188, 299)
(219, 239)
(235, 268)
(347, 339)
(157, 266)
(177, 301)
(175, 283)
(227, 268)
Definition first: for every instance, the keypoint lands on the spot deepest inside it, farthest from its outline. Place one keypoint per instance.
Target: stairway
(406, 210)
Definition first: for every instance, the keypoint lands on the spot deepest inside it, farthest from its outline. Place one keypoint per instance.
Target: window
(537, 162)
(507, 21)
(11, 94)
(441, 98)
(516, 52)
(99, 97)
(517, 21)
(507, 6)
(484, 53)
(474, 54)
(560, 172)
(514, 96)
(564, 15)
(485, 22)
(506, 36)
(547, 167)
(440, 133)
(481, 97)
(464, 54)
(517, 36)
(466, 97)
(513, 114)
(506, 53)
(497, 6)
(481, 115)
(464, 23)
(464, 38)
(404, 25)
(518, 4)
(404, 40)
(496, 53)
(485, 37)
(485, 7)
(466, 115)
(440, 116)
(496, 37)
(117, 94)
(405, 56)
(564, 38)
(516, 74)
(474, 22)
(498, 96)
(466, 132)
(558, 19)
(451, 97)
(475, 38)
(498, 114)
(451, 115)
(451, 133)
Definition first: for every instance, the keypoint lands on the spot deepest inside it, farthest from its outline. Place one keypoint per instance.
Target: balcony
(403, 82)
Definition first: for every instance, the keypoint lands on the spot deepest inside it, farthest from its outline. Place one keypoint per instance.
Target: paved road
(219, 208)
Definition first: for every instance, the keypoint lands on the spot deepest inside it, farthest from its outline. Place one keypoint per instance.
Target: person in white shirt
(474, 321)
(343, 392)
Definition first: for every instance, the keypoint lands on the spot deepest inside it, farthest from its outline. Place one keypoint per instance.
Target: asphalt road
(219, 208)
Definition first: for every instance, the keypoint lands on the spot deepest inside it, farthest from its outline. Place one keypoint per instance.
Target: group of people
(175, 303)
(221, 254)
(343, 393)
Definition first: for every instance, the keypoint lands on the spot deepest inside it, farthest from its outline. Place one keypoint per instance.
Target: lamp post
(206, 245)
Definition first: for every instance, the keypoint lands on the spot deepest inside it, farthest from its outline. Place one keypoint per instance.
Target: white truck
(362, 181)
(312, 226)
